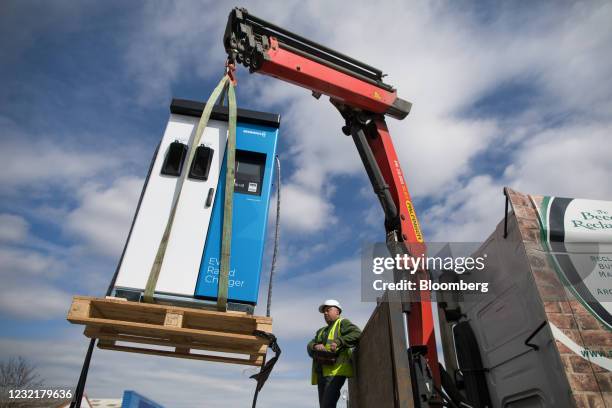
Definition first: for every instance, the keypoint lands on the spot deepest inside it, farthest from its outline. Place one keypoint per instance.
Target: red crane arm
(357, 90)
(319, 78)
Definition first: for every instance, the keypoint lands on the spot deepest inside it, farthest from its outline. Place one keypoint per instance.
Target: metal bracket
(506, 214)
(422, 381)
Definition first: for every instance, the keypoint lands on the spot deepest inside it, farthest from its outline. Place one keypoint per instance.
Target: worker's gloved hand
(319, 347)
(333, 347)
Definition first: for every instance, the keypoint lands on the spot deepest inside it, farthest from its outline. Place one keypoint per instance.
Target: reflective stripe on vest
(343, 365)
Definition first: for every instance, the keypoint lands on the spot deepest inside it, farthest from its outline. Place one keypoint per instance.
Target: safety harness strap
(266, 369)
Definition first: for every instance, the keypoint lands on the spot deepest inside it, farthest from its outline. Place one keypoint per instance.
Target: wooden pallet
(176, 331)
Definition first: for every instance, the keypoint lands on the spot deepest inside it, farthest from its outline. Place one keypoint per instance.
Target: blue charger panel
(255, 152)
(132, 399)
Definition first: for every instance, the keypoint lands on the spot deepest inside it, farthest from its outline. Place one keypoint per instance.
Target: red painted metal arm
(388, 162)
(420, 319)
(271, 50)
(301, 71)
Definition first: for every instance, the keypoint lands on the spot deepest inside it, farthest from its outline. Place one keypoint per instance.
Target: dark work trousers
(329, 390)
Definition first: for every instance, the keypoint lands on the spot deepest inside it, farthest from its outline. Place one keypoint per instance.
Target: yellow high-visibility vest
(343, 365)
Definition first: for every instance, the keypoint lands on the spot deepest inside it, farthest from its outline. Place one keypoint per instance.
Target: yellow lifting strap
(161, 250)
(228, 205)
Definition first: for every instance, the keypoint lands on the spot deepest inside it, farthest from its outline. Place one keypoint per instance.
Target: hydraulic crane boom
(359, 93)
(268, 49)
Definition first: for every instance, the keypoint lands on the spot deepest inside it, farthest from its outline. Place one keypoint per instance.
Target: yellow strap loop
(161, 250)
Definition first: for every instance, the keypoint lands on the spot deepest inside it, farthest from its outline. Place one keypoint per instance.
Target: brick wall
(591, 384)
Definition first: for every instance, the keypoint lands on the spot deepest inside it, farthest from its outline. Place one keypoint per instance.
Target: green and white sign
(578, 236)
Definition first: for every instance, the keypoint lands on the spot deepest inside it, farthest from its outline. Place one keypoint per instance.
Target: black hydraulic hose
(381, 188)
(80, 388)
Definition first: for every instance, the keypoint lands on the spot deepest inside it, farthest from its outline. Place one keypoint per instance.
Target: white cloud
(573, 68)
(103, 217)
(175, 38)
(303, 211)
(57, 354)
(27, 290)
(469, 214)
(433, 162)
(33, 300)
(30, 162)
(573, 161)
(184, 38)
(18, 262)
(24, 32)
(13, 228)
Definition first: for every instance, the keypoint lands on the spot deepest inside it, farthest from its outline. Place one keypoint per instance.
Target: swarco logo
(415, 222)
(254, 132)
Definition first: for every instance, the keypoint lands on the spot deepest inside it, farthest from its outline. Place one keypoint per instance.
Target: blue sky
(504, 95)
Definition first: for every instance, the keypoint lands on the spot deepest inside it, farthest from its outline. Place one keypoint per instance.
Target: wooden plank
(267, 328)
(216, 322)
(193, 318)
(258, 357)
(106, 343)
(79, 309)
(162, 333)
(127, 311)
(95, 332)
(166, 353)
(151, 329)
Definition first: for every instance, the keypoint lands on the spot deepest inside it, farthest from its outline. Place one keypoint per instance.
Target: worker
(331, 350)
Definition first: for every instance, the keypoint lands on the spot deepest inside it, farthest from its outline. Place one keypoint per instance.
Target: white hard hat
(330, 302)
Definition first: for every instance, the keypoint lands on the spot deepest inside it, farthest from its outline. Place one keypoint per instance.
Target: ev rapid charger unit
(191, 265)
